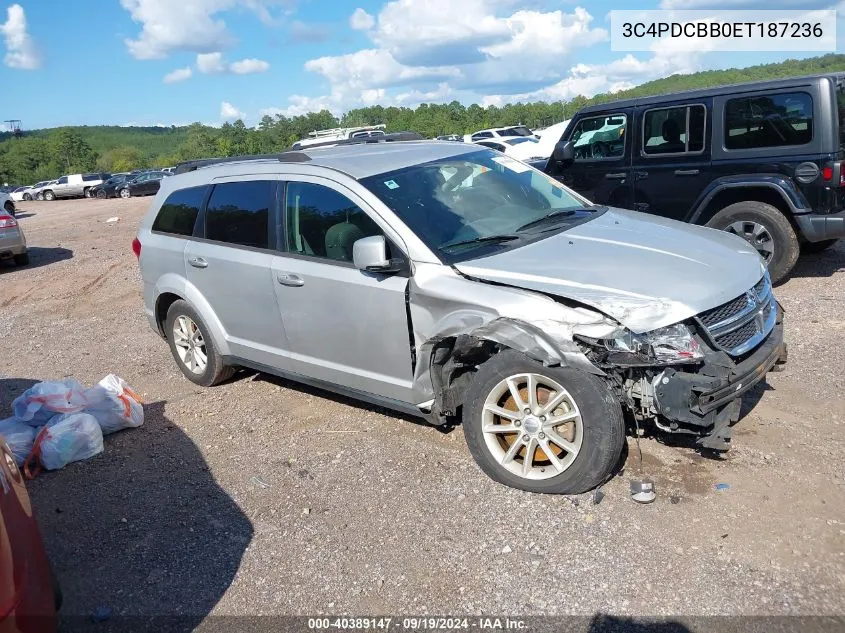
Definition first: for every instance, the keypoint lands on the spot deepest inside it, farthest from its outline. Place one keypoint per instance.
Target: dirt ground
(264, 497)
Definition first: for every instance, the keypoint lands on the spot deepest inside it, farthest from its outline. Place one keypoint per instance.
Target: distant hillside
(48, 153)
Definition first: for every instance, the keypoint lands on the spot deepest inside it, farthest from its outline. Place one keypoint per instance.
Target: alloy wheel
(755, 234)
(190, 344)
(532, 426)
(124, 193)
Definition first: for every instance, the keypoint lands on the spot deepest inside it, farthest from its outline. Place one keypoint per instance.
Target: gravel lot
(264, 497)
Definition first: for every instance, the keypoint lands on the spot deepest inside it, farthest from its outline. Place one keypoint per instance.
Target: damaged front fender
(458, 323)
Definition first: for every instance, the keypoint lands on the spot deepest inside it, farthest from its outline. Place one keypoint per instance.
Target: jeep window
(677, 130)
(769, 121)
(239, 212)
(599, 137)
(179, 212)
(322, 222)
(470, 205)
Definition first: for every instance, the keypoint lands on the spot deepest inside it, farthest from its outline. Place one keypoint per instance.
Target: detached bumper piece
(817, 227)
(706, 403)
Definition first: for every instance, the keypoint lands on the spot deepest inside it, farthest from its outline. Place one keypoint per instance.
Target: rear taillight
(827, 173)
(8, 222)
(136, 247)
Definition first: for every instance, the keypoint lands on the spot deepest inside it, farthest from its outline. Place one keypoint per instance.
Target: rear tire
(766, 229)
(22, 259)
(817, 247)
(593, 451)
(214, 371)
(86, 192)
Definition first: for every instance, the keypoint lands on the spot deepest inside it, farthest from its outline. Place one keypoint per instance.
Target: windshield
(473, 204)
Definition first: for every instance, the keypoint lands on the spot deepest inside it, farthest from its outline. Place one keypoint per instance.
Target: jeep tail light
(136, 247)
(827, 173)
(8, 222)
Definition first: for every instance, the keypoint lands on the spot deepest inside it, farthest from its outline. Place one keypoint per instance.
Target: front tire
(86, 192)
(192, 346)
(9, 207)
(553, 430)
(766, 229)
(49, 196)
(101, 195)
(124, 193)
(27, 197)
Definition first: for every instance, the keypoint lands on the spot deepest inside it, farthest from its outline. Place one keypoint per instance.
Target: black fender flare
(782, 185)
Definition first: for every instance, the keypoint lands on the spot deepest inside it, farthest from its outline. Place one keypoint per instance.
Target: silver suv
(457, 284)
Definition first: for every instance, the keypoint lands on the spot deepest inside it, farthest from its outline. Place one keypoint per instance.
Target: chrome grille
(740, 324)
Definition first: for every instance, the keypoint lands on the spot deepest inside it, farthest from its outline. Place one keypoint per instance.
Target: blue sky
(150, 62)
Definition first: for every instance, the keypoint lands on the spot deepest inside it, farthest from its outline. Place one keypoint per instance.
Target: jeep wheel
(49, 195)
(192, 347)
(766, 229)
(817, 247)
(541, 429)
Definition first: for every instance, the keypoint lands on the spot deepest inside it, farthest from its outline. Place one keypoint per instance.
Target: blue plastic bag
(19, 436)
(44, 400)
(69, 437)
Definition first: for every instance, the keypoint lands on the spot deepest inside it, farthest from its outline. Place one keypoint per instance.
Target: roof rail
(385, 138)
(284, 157)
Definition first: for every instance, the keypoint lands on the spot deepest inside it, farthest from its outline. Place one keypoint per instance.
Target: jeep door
(345, 326)
(601, 171)
(229, 263)
(671, 157)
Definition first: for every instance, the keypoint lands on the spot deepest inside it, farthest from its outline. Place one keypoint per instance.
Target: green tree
(71, 153)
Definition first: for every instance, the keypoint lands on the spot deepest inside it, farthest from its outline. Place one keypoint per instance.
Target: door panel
(602, 168)
(344, 325)
(238, 284)
(672, 158)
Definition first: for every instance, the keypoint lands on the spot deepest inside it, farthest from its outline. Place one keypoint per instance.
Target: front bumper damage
(708, 401)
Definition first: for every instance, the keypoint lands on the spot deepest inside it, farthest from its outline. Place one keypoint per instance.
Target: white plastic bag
(69, 438)
(19, 436)
(115, 405)
(44, 400)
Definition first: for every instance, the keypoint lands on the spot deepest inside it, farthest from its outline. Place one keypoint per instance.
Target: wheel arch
(775, 191)
(172, 288)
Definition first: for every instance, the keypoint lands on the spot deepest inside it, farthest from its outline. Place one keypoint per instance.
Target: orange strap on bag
(124, 398)
(34, 457)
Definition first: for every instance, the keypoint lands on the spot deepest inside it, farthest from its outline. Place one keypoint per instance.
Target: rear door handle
(290, 279)
(198, 262)
(619, 176)
(641, 175)
(686, 172)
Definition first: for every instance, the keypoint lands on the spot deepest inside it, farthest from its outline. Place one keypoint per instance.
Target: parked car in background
(29, 594)
(763, 160)
(30, 191)
(450, 137)
(533, 315)
(18, 194)
(549, 137)
(519, 147)
(498, 132)
(7, 204)
(145, 184)
(37, 192)
(12, 240)
(73, 186)
(108, 189)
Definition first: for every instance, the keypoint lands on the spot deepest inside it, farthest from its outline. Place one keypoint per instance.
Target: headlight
(668, 345)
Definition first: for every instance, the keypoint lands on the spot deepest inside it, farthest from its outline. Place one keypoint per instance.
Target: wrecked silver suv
(459, 284)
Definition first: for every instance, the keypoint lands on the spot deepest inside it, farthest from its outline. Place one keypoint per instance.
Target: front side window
(472, 204)
(773, 120)
(599, 137)
(62, 180)
(322, 222)
(179, 212)
(676, 130)
(239, 213)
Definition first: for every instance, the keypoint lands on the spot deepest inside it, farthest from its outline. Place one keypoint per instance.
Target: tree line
(47, 154)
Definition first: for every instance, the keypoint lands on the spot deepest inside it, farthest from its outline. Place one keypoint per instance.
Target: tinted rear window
(179, 212)
(771, 120)
(239, 213)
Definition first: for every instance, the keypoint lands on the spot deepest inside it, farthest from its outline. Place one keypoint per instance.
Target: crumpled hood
(644, 271)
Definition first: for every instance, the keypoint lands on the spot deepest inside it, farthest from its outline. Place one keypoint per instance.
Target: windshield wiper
(481, 240)
(558, 213)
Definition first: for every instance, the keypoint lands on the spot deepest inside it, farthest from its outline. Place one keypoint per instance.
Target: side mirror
(564, 153)
(370, 254)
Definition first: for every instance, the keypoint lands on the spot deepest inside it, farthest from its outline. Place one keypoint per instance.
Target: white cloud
(248, 66)
(214, 64)
(743, 4)
(21, 51)
(360, 20)
(187, 25)
(180, 74)
(230, 112)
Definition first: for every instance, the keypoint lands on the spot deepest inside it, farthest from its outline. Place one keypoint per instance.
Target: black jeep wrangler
(763, 160)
